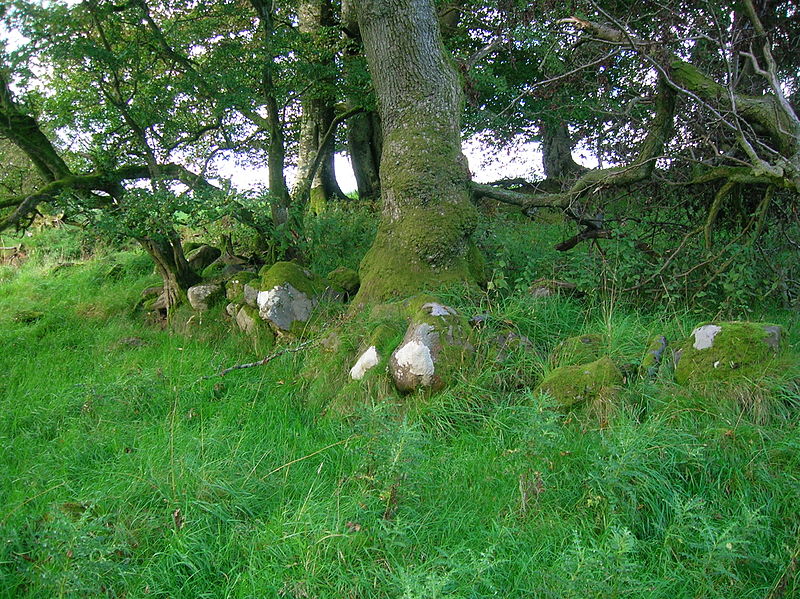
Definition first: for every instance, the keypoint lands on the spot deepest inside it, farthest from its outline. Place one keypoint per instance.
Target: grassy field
(125, 473)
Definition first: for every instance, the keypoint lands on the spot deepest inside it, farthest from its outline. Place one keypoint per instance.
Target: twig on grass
(267, 360)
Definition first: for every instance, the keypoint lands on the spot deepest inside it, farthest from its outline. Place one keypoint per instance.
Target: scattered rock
(288, 294)
(234, 288)
(381, 343)
(248, 320)
(727, 351)
(576, 384)
(579, 350)
(344, 279)
(250, 294)
(202, 297)
(202, 257)
(434, 346)
(479, 321)
(285, 307)
(366, 360)
(232, 309)
(509, 343)
(653, 357)
(131, 342)
(550, 287)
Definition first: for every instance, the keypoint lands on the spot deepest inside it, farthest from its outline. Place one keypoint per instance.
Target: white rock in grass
(369, 359)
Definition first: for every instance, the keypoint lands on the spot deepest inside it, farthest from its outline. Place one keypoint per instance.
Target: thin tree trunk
(171, 265)
(363, 143)
(276, 160)
(318, 114)
(559, 167)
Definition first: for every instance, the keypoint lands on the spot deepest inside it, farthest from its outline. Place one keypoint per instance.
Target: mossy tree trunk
(427, 217)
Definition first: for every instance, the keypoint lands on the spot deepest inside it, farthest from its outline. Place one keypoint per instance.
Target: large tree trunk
(428, 217)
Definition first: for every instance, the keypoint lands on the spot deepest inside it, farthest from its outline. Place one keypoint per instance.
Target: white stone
(283, 305)
(438, 309)
(416, 357)
(704, 335)
(367, 360)
(200, 296)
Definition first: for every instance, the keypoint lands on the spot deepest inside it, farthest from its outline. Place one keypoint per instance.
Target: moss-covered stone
(653, 357)
(579, 350)
(385, 338)
(214, 271)
(344, 279)
(234, 288)
(435, 346)
(202, 297)
(727, 352)
(202, 257)
(573, 385)
(298, 277)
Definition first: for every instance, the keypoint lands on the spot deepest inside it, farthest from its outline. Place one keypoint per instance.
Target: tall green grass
(124, 472)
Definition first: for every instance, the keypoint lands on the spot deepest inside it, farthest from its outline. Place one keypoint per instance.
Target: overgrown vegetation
(128, 469)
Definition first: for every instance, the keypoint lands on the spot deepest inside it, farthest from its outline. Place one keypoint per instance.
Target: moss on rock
(728, 352)
(214, 271)
(573, 385)
(653, 357)
(234, 288)
(298, 277)
(344, 279)
(436, 345)
(579, 350)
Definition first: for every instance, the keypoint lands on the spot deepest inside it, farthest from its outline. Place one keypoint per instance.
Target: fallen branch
(267, 360)
(310, 455)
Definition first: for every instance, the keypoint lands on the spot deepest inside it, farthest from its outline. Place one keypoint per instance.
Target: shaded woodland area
(115, 115)
(581, 383)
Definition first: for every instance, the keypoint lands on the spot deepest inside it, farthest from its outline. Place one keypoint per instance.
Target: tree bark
(171, 265)
(364, 146)
(364, 136)
(276, 159)
(557, 153)
(427, 218)
(318, 114)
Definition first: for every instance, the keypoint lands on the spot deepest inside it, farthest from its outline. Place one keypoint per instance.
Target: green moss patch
(298, 277)
(344, 279)
(574, 385)
(737, 351)
(579, 350)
